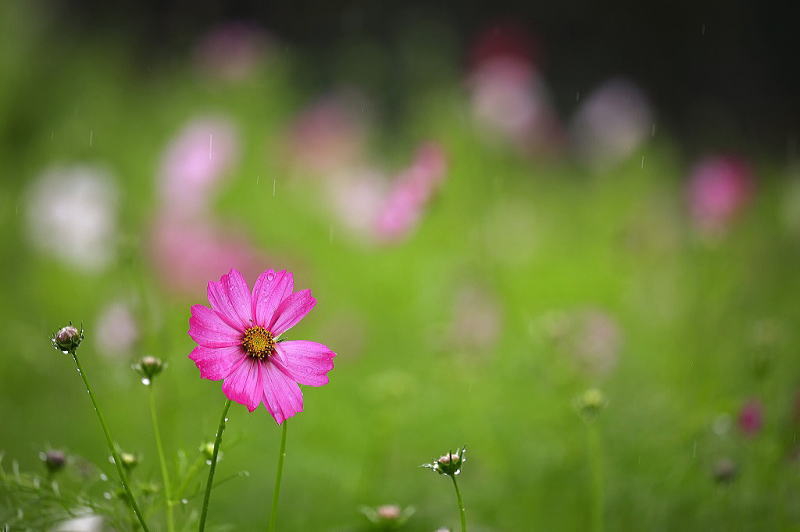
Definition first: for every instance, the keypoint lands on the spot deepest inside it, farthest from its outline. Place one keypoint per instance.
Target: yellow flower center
(258, 342)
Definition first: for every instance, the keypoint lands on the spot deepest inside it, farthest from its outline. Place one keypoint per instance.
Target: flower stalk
(111, 447)
(273, 516)
(162, 461)
(461, 511)
(210, 482)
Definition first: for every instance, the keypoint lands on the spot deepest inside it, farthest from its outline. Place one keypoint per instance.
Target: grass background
(541, 237)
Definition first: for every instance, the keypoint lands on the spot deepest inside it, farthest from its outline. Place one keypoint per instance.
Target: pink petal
(244, 384)
(269, 291)
(282, 396)
(230, 297)
(216, 364)
(305, 362)
(292, 310)
(208, 330)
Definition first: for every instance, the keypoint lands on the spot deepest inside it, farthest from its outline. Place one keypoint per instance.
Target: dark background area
(722, 74)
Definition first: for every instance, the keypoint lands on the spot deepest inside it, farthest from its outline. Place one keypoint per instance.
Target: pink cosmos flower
(719, 187)
(188, 252)
(194, 162)
(751, 417)
(329, 135)
(239, 342)
(411, 192)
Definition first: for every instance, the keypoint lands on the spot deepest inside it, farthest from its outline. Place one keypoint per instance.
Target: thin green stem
(111, 447)
(276, 493)
(210, 481)
(462, 512)
(598, 483)
(162, 460)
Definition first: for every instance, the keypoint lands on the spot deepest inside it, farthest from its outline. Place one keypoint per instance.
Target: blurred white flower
(116, 329)
(611, 123)
(84, 523)
(71, 213)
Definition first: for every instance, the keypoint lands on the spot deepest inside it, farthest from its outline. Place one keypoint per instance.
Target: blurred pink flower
(356, 197)
(718, 189)
(329, 135)
(508, 96)
(611, 123)
(116, 329)
(71, 214)
(591, 337)
(477, 320)
(232, 51)
(411, 192)
(194, 162)
(239, 342)
(186, 253)
(509, 99)
(750, 417)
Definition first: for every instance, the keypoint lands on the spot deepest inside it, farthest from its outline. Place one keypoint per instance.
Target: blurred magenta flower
(194, 162)
(410, 193)
(611, 123)
(188, 252)
(239, 342)
(116, 331)
(71, 214)
(751, 417)
(719, 188)
(329, 135)
(232, 51)
(507, 93)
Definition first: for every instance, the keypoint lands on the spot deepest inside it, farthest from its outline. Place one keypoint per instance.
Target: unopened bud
(591, 402)
(53, 460)
(725, 470)
(387, 516)
(128, 460)
(207, 449)
(449, 464)
(148, 367)
(67, 339)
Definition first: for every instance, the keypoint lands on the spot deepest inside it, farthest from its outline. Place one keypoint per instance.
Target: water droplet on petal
(145, 381)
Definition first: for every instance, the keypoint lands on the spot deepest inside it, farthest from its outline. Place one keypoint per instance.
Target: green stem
(162, 460)
(111, 446)
(462, 512)
(273, 517)
(210, 481)
(598, 484)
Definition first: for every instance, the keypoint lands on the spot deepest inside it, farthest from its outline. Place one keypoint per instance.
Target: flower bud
(725, 471)
(54, 460)
(449, 464)
(591, 402)
(387, 516)
(208, 450)
(128, 460)
(67, 339)
(148, 367)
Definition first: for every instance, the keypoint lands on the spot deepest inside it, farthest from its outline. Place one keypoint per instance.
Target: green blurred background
(536, 270)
